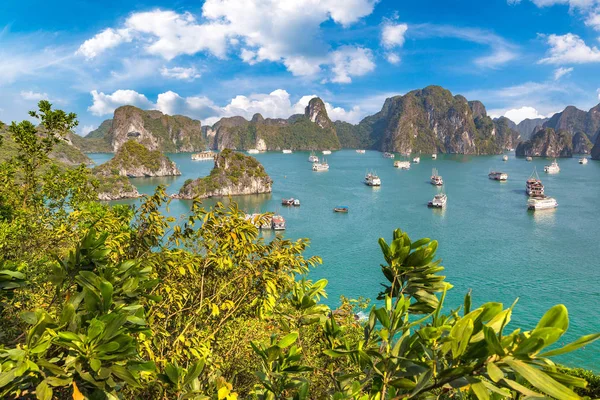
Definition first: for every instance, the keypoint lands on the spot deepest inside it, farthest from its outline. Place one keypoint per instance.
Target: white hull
(547, 203)
(253, 151)
(287, 152)
(326, 152)
(416, 160)
(402, 164)
(583, 161)
(360, 151)
(434, 156)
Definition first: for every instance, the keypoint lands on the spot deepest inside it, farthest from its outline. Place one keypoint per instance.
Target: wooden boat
(204, 156)
(388, 155)
(534, 186)
(341, 209)
(402, 164)
(498, 176)
(278, 223)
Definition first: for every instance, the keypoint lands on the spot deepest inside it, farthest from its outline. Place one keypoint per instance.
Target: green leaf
(582, 341)
(382, 316)
(480, 391)
(43, 391)
(494, 372)
(556, 317)
(6, 378)
(287, 340)
(542, 381)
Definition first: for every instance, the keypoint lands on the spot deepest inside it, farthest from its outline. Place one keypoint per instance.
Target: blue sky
(214, 58)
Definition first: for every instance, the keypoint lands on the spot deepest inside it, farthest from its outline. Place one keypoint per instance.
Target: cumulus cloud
(277, 104)
(257, 30)
(29, 95)
(393, 58)
(519, 114)
(103, 41)
(181, 73)
(571, 49)
(392, 35)
(560, 72)
(84, 130)
(351, 61)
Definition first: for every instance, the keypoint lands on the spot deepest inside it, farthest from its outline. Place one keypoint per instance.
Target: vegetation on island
(123, 302)
(547, 143)
(233, 173)
(134, 159)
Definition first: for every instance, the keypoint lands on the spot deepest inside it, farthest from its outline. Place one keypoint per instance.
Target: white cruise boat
(320, 166)
(388, 155)
(583, 160)
(278, 223)
(434, 156)
(529, 158)
(313, 158)
(505, 158)
(416, 160)
(287, 152)
(436, 179)
(439, 201)
(552, 168)
(326, 152)
(360, 151)
(371, 179)
(253, 151)
(402, 164)
(541, 203)
(204, 156)
(498, 176)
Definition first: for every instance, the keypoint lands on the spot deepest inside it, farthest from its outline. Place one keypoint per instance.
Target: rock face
(115, 187)
(153, 129)
(311, 131)
(581, 143)
(135, 160)
(233, 174)
(431, 120)
(596, 149)
(574, 120)
(547, 143)
(529, 126)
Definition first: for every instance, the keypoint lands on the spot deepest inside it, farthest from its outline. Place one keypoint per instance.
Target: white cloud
(593, 20)
(276, 104)
(519, 114)
(260, 30)
(104, 104)
(598, 93)
(103, 41)
(29, 95)
(562, 71)
(392, 35)
(85, 129)
(571, 49)
(588, 9)
(393, 58)
(351, 61)
(180, 73)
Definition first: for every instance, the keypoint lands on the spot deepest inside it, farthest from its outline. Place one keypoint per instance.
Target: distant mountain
(574, 120)
(527, 127)
(547, 143)
(311, 131)
(431, 120)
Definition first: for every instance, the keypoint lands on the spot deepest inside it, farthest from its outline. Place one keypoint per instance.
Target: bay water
(488, 241)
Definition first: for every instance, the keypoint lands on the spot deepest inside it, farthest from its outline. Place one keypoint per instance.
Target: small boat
(505, 158)
(313, 158)
(583, 160)
(439, 201)
(320, 166)
(388, 155)
(498, 176)
(360, 151)
(296, 203)
(541, 203)
(268, 223)
(290, 202)
(552, 168)
(436, 179)
(278, 223)
(434, 156)
(371, 179)
(534, 186)
(326, 152)
(287, 152)
(416, 160)
(529, 158)
(204, 156)
(402, 164)
(253, 151)
(341, 209)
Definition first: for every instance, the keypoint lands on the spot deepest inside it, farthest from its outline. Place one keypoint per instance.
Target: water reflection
(545, 217)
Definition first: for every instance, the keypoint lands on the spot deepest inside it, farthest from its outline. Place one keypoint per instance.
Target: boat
(436, 179)
(204, 156)
(360, 151)
(290, 202)
(253, 151)
(583, 160)
(313, 158)
(268, 224)
(287, 152)
(439, 201)
(434, 156)
(498, 176)
(371, 179)
(341, 209)
(505, 158)
(388, 155)
(320, 166)
(326, 152)
(541, 203)
(402, 164)
(278, 223)
(529, 158)
(416, 160)
(552, 168)
(296, 203)
(534, 186)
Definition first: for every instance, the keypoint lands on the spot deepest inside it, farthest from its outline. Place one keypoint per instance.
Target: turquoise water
(488, 241)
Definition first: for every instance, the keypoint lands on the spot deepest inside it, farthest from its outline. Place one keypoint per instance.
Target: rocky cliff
(547, 143)
(581, 143)
(233, 174)
(573, 120)
(431, 120)
(115, 187)
(311, 131)
(153, 129)
(528, 126)
(135, 160)
(596, 149)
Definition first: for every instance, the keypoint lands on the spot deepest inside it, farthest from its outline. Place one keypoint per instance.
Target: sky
(215, 58)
